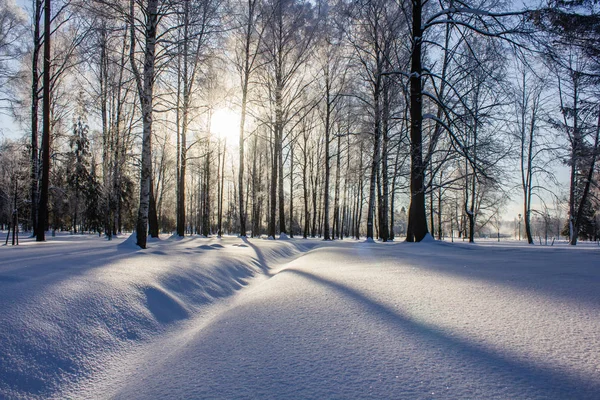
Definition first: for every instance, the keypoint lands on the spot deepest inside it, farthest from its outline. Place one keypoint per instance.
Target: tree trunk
(292, 188)
(273, 188)
(383, 224)
(43, 208)
(440, 209)
(345, 213)
(375, 160)
(35, 98)
(145, 91)
(588, 182)
(107, 135)
(152, 213)
(417, 220)
(255, 179)
(336, 198)
(393, 193)
(360, 197)
(471, 211)
(314, 180)
(242, 204)
(221, 189)
(206, 193)
(327, 167)
(282, 227)
(305, 185)
(246, 72)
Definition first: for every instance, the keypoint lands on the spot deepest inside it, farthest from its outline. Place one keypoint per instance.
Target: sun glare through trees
(380, 119)
(225, 124)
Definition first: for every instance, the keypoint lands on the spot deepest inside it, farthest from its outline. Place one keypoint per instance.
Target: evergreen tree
(78, 178)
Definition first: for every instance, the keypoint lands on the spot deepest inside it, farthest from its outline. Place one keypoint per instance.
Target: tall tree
(572, 44)
(480, 19)
(375, 28)
(43, 209)
(528, 104)
(145, 84)
(333, 67)
(198, 22)
(35, 101)
(287, 43)
(248, 45)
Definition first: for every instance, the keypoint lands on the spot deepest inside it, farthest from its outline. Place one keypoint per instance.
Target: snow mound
(175, 236)
(353, 321)
(130, 243)
(77, 304)
(85, 318)
(428, 239)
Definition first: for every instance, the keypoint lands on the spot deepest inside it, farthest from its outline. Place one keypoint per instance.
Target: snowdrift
(86, 318)
(74, 303)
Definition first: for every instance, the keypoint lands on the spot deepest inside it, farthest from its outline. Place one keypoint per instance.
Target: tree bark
(182, 140)
(241, 200)
(273, 188)
(588, 181)
(376, 158)
(221, 190)
(383, 224)
(327, 167)
(255, 188)
(145, 85)
(206, 191)
(292, 188)
(43, 208)
(281, 203)
(35, 98)
(305, 185)
(336, 196)
(417, 219)
(152, 213)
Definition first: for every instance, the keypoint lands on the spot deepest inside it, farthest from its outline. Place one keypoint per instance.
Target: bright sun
(225, 123)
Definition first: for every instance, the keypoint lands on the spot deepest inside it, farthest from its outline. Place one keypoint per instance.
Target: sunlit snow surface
(200, 318)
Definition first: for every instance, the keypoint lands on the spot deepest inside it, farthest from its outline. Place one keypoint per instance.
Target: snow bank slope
(75, 303)
(397, 321)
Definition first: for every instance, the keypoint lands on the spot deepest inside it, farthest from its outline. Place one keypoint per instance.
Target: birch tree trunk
(145, 84)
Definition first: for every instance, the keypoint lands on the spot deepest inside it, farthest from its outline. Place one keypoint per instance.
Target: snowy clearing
(87, 318)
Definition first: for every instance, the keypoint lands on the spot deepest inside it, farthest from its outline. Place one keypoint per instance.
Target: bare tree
(248, 48)
(145, 84)
(198, 22)
(479, 19)
(534, 147)
(332, 71)
(287, 43)
(581, 124)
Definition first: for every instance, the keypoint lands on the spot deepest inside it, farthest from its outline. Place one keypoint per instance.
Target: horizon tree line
(377, 118)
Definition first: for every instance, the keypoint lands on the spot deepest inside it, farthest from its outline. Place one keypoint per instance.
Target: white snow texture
(231, 318)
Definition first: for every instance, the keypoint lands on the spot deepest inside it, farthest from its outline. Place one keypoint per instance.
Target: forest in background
(300, 118)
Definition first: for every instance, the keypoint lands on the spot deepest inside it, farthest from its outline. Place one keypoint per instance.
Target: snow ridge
(89, 299)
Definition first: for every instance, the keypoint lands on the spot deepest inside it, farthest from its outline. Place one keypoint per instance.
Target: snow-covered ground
(226, 318)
